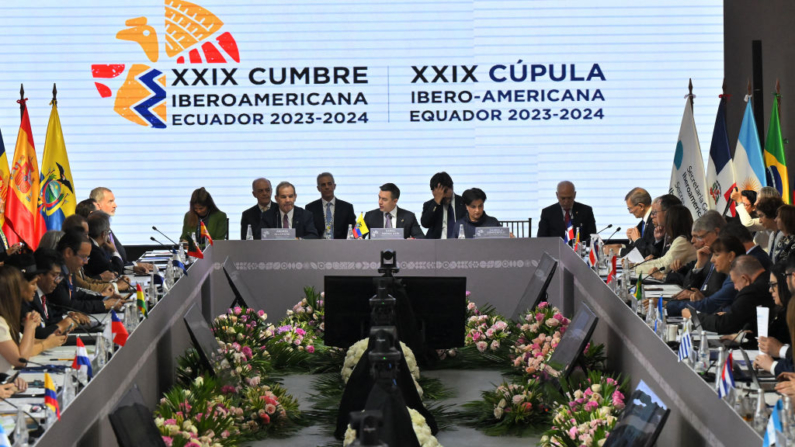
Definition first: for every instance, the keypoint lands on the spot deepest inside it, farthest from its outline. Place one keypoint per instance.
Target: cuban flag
(685, 346)
(726, 378)
(749, 169)
(81, 361)
(720, 169)
(115, 331)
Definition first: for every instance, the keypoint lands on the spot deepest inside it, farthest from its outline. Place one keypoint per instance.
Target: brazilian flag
(775, 162)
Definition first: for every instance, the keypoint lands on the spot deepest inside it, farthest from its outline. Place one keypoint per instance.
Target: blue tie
(329, 221)
(450, 220)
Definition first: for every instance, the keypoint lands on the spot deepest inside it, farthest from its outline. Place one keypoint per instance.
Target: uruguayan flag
(685, 346)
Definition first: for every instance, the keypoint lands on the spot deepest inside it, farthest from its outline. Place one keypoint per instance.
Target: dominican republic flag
(50, 396)
(685, 346)
(720, 169)
(81, 361)
(749, 169)
(116, 331)
(688, 182)
(726, 378)
(569, 235)
(611, 276)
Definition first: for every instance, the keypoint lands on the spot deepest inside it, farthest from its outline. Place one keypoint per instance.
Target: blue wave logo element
(158, 95)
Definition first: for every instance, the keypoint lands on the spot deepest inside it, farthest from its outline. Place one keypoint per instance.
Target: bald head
(566, 194)
(261, 189)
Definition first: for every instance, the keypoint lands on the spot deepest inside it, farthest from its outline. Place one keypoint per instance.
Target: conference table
(497, 273)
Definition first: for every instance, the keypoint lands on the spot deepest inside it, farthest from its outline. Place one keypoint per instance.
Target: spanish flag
(5, 177)
(22, 206)
(51, 396)
(57, 187)
(775, 162)
(206, 234)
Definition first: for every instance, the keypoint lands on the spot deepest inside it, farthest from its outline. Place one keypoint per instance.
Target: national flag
(569, 234)
(140, 301)
(687, 174)
(749, 168)
(720, 169)
(611, 275)
(178, 264)
(592, 258)
(58, 198)
(5, 179)
(193, 250)
(726, 377)
(22, 205)
(639, 288)
(577, 241)
(361, 228)
(117, 329)
(206, 233)
(4, 442)
(81, 361)
(775, 161)
(685, 346)
(50, 395)
(774, 424)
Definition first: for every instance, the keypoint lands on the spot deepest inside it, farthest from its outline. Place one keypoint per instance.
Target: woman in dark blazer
(474, 200)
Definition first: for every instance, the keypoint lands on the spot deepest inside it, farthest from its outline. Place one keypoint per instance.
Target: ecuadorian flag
(58, 197)
(50, 396)
(361, 227)
(775, 162)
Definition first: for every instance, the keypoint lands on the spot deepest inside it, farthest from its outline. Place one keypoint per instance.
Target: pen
(61, 360)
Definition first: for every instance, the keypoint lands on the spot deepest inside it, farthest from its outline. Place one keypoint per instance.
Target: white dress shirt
(394, 217)
(444, 216)
(289, 218)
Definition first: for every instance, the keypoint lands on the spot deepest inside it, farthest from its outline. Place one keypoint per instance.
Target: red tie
(568, 219)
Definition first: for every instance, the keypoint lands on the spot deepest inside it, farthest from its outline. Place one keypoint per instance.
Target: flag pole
(54, 94)
(778, 96)
(21, 100)
(690, 92)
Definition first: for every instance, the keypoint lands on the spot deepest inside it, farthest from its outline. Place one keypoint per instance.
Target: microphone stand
(164, 235)
(611, 236)
(605, 228)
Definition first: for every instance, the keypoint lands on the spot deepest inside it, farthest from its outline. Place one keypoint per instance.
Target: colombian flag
(57, 187)
(361, 227)
(206, 234)
(50, 396)
(5, 177)
(22, 207)
(140, 301)
(775, 162)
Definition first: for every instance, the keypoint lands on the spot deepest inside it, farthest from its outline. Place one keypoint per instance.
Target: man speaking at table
(440, 214)
(332, 215)
(287, 215)
(389, 215)
(557, 218)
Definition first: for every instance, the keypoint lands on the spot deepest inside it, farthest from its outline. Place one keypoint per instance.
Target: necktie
(44, 306)
(450, 221)
(285, 222)
(567, 219)
(706, 280)
(388, 217)
(329, 221)
(642, 227)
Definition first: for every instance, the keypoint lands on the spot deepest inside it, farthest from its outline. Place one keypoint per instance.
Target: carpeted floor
(467, 384)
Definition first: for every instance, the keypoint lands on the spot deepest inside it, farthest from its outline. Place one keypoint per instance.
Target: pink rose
(539, 317)
(481, 345)
(238, 310)
(310, 349)
(543, 305)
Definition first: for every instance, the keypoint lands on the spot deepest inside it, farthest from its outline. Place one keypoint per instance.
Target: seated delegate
(475, 217)
(678, 224)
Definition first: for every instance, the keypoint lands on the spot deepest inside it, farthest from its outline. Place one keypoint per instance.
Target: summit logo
(193, 35)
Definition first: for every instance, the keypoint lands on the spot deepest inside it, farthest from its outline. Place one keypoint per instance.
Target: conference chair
(519, 228)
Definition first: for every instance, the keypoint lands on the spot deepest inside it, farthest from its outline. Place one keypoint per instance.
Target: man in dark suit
(742, 233)
(389, 215)
(46, 265)
(105, 201)
(332, 215)
(750, 280)
(440, 214)
(641, 236)
(555, 219)
(104, 257)
(699, 278)
(254, 216)
(287, 215)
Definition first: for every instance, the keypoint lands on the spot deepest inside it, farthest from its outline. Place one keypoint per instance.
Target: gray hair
(284, 185)
(50, 239)
(638, 195)
(769, 191)
(98, 223)
(261, 179)
(98, 193)
(710, 221)
(746, 265)
(325, 174)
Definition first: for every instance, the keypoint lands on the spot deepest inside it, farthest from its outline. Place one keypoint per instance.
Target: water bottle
(152, 291)
(100, 352)
(21, 430)
(181, 254)
(177, 271)
(51, 418)
(760, 415)
(327, 233)
(461, 233)
(69, 392)
(350, 232)
(786, 418)
(169, 281)
(651, 314)
(249, 234)
(719, 367)
(703, 354)
(693, 357)
(131, 317)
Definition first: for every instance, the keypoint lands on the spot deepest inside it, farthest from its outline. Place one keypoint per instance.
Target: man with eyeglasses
(640, 236)
(699, 278)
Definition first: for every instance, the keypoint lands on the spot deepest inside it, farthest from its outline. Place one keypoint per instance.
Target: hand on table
(783, 377)
(787, 388)
(675, 265)
(656, 274)
(142, 268)
(770, 346)
(696, 295)
(686, 313)
(107, 275)
(54, 340)
(20, 384)
(113, 303)
(763, 361)
(7, 390)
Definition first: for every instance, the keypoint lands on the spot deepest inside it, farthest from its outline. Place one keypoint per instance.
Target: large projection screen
(159, 98)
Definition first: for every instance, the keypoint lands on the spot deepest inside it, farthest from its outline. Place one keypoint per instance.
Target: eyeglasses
(84, 258)
(701, 236)
(630, 208)
(771, 285)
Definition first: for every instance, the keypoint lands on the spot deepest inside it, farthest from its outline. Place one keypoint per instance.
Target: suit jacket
(680, 249)
(696, 279)
(343, 216)
(254, 217)
(100, 261)
(303, 222)
(713, 303)
(77, 300)
(764, 259)
(50, 318)
(645, 244)
(433, 214)
(743, 309)
(405, 219)
(120, 248)
(552, 224)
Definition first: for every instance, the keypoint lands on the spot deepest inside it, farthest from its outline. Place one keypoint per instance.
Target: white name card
(492, 233)
(386, 233)
(278, 234)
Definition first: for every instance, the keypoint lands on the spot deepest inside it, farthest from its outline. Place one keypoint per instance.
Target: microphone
(614, 233)
(39, 430)
(738, 339)
(605, 228)
(26, 361)
(164, 235)
(152, 238)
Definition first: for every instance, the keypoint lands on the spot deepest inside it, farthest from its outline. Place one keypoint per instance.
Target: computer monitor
(438, 304)
(243, 295)
(641, 421)
(536, 290)
(203, 339)
(133, 423)
(572, 343)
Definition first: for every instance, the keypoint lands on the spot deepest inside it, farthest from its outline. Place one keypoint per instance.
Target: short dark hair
(73, 240)
(638, 195)
(442, 178)
(769, 206)
(667, 201)
(74, 222)
(726, 244)
(470, 195)
(86, 207)
(98, 223)
(737, 230)
(678, 222)
(392, 189)
(46, 258)
(285, 185)
(749, 194)
(786, 214)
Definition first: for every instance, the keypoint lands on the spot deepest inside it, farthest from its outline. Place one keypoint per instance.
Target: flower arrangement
(510, 409)
(539, 332)
(309, 310)
(242, 325)
(262, 410)
(356, 351)
(421, 429)
(587, 412)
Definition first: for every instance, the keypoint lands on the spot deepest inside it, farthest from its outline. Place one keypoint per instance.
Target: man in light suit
(389, 215)
(261, 190)
(332, 215)
(287, 215)
(555, 219)
(440, 214)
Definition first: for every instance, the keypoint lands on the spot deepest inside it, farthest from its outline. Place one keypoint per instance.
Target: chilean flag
(720, 169)
(117, 329)
(81, 361)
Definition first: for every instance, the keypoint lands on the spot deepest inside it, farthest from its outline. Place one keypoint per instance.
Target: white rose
(517, 399)
(498, 413)
(596, 388)
(502, 403)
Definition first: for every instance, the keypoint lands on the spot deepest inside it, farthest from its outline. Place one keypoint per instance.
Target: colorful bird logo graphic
(190, 28)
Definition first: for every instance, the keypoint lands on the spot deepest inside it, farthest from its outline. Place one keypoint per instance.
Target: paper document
(634, 256)
(762, 318)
